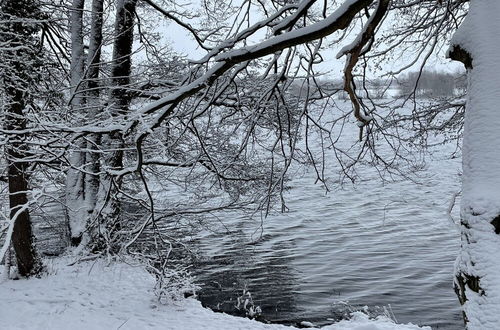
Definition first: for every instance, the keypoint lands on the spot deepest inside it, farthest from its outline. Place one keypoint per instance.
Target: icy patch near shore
(94, 295)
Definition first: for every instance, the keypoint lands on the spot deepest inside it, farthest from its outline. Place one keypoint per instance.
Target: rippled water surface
(372, 244)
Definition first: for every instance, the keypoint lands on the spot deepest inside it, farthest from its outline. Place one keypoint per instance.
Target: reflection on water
(245, 266)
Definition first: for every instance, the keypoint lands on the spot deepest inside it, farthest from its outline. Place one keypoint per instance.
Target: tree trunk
(93, 99)
(94, 105)
(75, 180)
(16, 152)
(477, 283)
(17, 79)
(119, 101)
(7, 265)
(122, 51)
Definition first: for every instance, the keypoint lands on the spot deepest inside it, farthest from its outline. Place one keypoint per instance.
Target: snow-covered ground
(119, 295)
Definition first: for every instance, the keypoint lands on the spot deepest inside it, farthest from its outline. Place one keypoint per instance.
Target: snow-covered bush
(173, 282)
(347, 311)
(245, 304)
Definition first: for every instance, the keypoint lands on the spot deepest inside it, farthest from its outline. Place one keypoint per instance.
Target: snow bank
(360, 321)
(93, 295)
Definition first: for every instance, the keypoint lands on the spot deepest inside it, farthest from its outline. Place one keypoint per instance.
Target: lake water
(388, 246)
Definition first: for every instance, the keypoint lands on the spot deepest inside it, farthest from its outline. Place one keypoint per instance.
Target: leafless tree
(229, 124)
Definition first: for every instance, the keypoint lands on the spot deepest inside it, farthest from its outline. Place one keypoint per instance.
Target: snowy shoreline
(95, 295)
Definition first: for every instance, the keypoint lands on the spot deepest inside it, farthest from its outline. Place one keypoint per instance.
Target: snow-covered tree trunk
(477, 283)
(93, 103)
(108, 207)
(75, 180)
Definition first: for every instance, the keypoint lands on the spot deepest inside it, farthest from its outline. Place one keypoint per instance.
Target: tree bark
(75, 180)
(93, 102)
(16, 152)
(7, 265)
(119, 101)
(16, 82)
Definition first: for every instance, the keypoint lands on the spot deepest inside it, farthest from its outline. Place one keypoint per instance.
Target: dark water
(387, 246)
(384, 247)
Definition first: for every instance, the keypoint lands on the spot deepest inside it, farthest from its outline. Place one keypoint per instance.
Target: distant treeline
(432, 84)
(426, 84)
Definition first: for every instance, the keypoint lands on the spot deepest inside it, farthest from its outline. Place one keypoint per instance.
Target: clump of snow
(307, 324)
(95, 295)
(361, 321)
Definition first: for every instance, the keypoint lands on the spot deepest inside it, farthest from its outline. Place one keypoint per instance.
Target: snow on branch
(339, 20)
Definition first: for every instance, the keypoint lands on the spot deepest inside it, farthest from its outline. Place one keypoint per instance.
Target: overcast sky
(183, 43)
